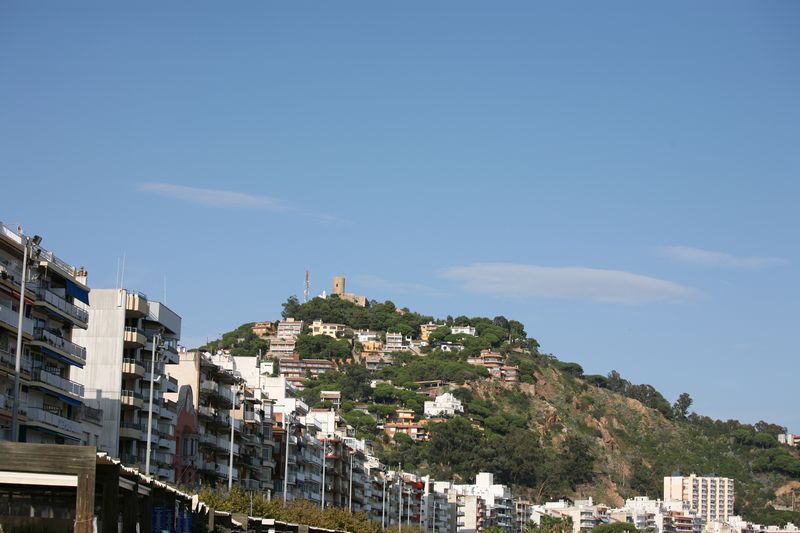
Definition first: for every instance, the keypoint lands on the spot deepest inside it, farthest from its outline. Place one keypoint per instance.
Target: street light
(287, 426)
(28, 243)
(156, 341)
(324, 464)
(383, 503)
(400, 496)
(350, 498)
(236, 398)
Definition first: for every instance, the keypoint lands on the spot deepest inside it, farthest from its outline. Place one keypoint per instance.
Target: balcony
(133, 367)
(56, 381)
(131, 430)
(205, 411)
(136, 303)
(62, 424)
(134, 337)
(12, 319)
(167, 444)
(207, 388)
(78, 316)
(73, 351)
(129, 398)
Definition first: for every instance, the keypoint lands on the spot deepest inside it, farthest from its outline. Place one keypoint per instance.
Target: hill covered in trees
(556, 433)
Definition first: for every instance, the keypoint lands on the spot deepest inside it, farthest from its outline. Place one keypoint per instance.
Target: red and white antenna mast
(305, 290)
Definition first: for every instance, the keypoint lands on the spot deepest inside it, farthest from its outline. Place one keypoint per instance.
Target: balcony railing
(43, 376)
(12, 319)
(65, 424)
(61, 304)
(59, 343)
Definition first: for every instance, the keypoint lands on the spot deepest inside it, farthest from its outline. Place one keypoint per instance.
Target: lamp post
(156, 341)
(27, 244)
(350, 497)
(433, 521)
(324, 464)
(383, 503)
(236, 398)
(400, 498)
(287, 426)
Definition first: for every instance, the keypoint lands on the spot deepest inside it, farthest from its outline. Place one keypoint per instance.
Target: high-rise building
(123, 326)
(51, 408)
(710, 497)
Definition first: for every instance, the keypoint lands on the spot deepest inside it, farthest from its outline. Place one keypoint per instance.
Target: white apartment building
(444, 405)
(394, 342)
(367, 335)
(584, 514)
(710, 497)
(479, 505)
(657, 516)
(289, 328)
(51, 405)
(463, 330)
(281, 347)
(117, 376)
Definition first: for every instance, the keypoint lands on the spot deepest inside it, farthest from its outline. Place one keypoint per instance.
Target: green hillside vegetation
(557, 433)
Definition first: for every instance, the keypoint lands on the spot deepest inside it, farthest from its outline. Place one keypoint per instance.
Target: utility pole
(156, 341)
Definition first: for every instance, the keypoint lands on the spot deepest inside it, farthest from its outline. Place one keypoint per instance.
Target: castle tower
(338, 285)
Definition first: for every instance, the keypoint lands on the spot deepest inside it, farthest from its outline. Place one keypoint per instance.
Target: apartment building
(336, 331)
(711, 497)
(123, 326)
(584, 514)
(279, 347)
(216, 395)
(438, 514)
(463, 330)
(294, 444)
(366, 335)
(51, 405)
(444, 405)
(394, 342)
(264, 329)
(297, 370)
(657, 516)
(425, 330)
(289, 328)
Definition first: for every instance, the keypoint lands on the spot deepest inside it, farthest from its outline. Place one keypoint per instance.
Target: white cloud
(377, 282)
(578, 283)
(698, 256)
(215, 197)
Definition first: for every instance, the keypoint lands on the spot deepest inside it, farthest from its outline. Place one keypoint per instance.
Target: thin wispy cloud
(698, 256)
(376, 282)
(576, 283)
(228, 199)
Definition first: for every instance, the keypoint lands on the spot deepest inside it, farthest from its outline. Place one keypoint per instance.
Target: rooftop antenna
(305, 290)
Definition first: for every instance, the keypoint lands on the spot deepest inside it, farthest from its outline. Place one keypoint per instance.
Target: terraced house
(50, 406)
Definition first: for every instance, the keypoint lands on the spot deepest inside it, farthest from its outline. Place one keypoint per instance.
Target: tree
(616, 527)
(681, 406)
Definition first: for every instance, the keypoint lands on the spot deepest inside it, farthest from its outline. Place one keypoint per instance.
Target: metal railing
(130, 394)
(60, 343)
(60, 303)
(43, 376)
(40, 415)
(12, 319)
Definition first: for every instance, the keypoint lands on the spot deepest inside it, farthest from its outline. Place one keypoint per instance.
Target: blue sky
(621, 177)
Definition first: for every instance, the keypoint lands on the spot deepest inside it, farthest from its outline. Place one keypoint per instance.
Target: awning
(66, 399)
(60, 357)
(77, 292)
